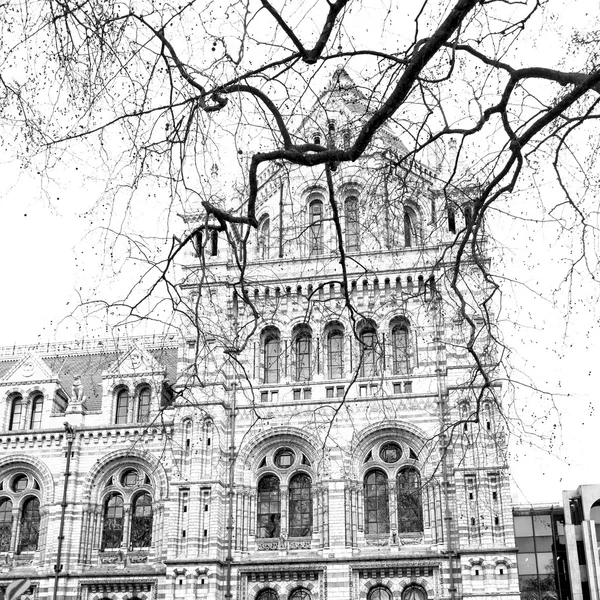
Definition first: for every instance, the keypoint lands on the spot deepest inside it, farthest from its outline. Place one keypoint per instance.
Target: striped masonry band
(15, 588)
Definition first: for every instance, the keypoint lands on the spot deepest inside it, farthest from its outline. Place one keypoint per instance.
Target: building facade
(318, 431)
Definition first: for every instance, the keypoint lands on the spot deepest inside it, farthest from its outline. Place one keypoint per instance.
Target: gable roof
(90, 359)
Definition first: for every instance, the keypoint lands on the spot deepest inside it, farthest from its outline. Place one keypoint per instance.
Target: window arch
(35, 420)
(30, 525)
(315, 228)
(380, 592)
(411, 227)
(369, 358)
(269, 507)
(122, 407)
(127, 509)
(143, 410)
(6, 520)
(264, 237)
(112, 530)
(268, 594)
(303, 353)
(141, 521)
(271, 356)
(377, 514)
(16, 413)
(408, 491)
(300, 594)
(400, 348)
(300, 506)
(414, 592)
(335, 353)
(352, 225)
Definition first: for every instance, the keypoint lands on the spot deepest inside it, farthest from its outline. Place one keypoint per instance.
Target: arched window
(271, 357)
(408, 490)
(269, 507)
(377, 512)
(6, 519)
(335, 354)
(411, 227)
(414, 592)
(300, 594)
(112, 530)
(122, 407)
(468, 214)
(368, 350)
(303, 353)
(35, 422)
(352, 229)
(380, 593)
(267, 594)
(30, 525)
(16, 413)
(141, 521)
(315, 227)
(264, 237)
(300, 506)
(143, 405)
(400, 348)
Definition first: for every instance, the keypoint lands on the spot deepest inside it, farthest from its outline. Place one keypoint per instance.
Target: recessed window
(16, 413)
(380, 593)
(35, 421)
(19, 483)
(129, 478)
(284, 458)
(315, 229)
(414, 592)
(390, 452)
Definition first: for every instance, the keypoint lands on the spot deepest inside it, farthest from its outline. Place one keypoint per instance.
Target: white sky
(46, 259)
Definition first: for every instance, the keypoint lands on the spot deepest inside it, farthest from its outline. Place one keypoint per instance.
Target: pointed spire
(341, 80)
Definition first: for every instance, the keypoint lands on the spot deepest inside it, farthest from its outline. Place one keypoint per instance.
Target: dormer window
(35, 420)
(16, 413)
(133, 409)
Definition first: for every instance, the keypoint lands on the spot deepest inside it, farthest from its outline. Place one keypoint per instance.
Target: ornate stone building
(318, 438)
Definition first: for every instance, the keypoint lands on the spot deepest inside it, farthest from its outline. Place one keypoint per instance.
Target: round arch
(37, 468)
(131, 457)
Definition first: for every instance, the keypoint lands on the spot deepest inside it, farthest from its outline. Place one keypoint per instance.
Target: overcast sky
(48, 258)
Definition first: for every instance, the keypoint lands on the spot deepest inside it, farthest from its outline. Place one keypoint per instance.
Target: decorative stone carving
(271, 545)
(377, 541)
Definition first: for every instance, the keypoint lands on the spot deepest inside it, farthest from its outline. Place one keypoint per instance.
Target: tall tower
(360, 447)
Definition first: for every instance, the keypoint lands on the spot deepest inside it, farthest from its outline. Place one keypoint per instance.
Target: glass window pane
(334, 355)
(528, 585)
(122, 407)
(271, 360)
(377, 514)
(545, 562)
(112, 530)
(6, 519)
(30, 525)
(543, 544)
(527, 564)
(269, 512)
(542, 525)
(523, 526)
(141, 522)
(144, 405)
(15, 415)
(525, 544)
(300, 506)
(36, 413)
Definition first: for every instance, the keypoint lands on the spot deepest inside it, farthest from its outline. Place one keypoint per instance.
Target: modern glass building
(542, 558)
